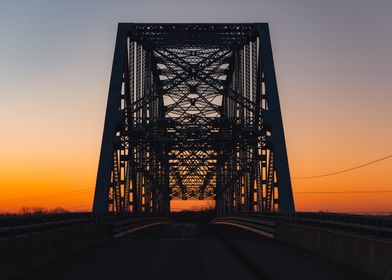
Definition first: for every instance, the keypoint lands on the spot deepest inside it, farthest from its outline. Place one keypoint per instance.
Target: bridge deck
(196, 251)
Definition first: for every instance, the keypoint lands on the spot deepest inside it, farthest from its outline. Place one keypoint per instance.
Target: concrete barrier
(8, 257)
(25, 253)
(41, 249)
(33, 250)
(371, 256)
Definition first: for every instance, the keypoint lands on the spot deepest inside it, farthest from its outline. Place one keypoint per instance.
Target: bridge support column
(112, 118)
(274, 118)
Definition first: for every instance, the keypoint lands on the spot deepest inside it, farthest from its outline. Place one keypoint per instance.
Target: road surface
(196, 251)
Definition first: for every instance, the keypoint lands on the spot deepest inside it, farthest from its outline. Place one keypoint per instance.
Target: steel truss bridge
(193, 113)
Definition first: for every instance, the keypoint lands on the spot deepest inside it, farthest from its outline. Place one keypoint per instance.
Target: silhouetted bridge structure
(193, 113)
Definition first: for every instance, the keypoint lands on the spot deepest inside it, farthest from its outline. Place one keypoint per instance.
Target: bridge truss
(193, 113)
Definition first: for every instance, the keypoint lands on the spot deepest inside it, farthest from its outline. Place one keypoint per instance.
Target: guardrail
(17, 220)
(376, 226)
(19, 225)
(124, 227)
(259, 226)
(353, 240)
(27, 247)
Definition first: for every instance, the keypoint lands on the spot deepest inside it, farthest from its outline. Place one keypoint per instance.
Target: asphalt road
(196, 251)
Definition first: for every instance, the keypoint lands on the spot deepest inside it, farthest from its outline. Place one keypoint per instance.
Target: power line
(326, 211)
(344, 170)
(344, 192)
(47, 196)
(369, 212)
(75, 192)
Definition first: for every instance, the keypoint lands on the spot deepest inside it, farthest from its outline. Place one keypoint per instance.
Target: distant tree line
(41, 210)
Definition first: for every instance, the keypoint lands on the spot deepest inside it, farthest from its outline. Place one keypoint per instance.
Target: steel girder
(193, 113)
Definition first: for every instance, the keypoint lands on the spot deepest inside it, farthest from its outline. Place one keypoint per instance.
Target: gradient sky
(334, 69)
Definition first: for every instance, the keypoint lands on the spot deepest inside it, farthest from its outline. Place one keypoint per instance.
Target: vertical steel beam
(112, 118)
(274, 117)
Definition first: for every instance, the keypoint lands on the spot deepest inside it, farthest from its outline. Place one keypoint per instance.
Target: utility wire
(47, 196)
(326, 211)
(344, 192)
(344, 170)
(73, 192)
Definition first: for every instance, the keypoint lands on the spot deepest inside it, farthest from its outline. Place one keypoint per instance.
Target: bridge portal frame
(268, 181)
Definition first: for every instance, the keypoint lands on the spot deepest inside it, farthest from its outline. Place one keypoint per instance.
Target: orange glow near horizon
(71, 186)
(46, 165)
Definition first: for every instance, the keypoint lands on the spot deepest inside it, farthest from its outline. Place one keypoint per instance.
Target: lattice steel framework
(193, 113)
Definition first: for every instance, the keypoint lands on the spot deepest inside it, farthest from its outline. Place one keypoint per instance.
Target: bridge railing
(358, 241)
(28, 243)
(377, 226)
(254, 224)
(28, 224)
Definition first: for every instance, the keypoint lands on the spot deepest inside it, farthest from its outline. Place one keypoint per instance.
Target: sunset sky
(334, 69)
